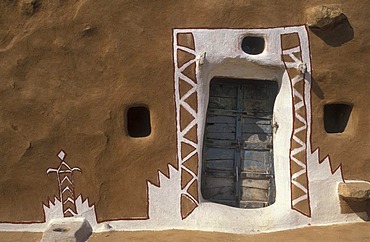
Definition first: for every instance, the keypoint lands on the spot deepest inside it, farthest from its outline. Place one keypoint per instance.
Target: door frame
(217, 52)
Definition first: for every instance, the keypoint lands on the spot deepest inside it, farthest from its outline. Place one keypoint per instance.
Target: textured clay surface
(352, 232)
(348, 232)
(70, 69)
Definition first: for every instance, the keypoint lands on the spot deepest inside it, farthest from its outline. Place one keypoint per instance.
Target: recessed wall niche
(336, 116)
(138, 122)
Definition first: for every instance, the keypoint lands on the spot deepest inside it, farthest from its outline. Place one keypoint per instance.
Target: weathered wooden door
(238, 150)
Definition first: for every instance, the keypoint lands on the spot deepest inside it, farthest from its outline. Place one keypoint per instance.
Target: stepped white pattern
(54, 210)
(164, 200)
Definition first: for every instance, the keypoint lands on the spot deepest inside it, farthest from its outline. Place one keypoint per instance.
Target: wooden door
(238, 150)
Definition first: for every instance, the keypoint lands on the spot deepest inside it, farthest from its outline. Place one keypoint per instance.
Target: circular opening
(253, 45)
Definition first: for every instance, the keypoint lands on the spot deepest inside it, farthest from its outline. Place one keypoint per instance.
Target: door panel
(219, 153)
(220, 165)
(220, 187)
(254, 194)
(238, 150)
(257, 161)
(255, 183)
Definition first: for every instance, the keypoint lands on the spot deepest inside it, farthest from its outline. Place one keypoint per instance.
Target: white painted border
(224, 57)
(219, 54)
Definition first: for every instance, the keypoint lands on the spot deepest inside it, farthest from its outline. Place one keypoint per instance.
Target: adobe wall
(70, 70)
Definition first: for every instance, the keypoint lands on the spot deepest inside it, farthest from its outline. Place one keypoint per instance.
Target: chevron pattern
(186, 116)
(66, 186)
(292, 58)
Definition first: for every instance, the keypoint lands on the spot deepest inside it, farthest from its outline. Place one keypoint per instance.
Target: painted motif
(67, 205)
(186, 92)
(66, 186)
(292, 58)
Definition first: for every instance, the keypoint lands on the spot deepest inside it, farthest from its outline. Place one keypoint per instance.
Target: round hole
(253, 45)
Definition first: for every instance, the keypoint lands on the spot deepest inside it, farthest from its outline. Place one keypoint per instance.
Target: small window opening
(138, 122)
(253, 45)
(336, 116)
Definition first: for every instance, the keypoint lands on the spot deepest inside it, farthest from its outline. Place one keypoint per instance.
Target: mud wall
(70, 69)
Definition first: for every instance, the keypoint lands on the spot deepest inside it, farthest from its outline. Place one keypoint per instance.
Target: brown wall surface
(70, 69)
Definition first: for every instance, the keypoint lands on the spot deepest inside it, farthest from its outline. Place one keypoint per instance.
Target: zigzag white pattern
(181, 102)
(188, 108)
(186, 130)
(190, 142)
(191, 91)
(298, 101)
(297, 106)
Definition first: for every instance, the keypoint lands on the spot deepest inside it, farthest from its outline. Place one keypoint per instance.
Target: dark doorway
(238, 151)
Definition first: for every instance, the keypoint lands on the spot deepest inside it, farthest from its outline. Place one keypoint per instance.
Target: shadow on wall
(337, 34)
(315, 87)
(358, 207)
